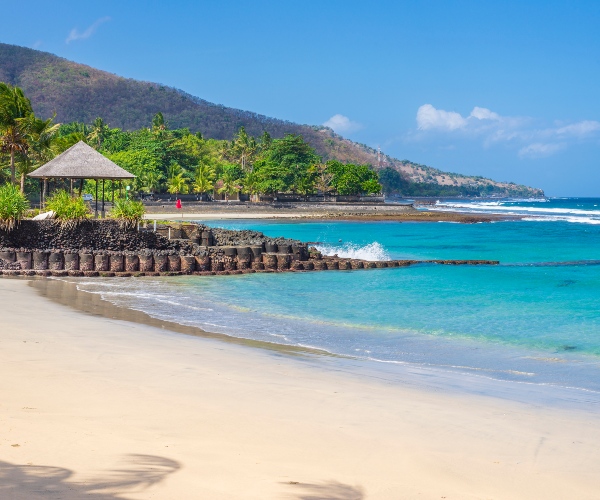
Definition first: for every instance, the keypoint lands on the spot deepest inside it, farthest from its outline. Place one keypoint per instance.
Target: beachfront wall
(319, 198)
(215, 260)
(184, 249)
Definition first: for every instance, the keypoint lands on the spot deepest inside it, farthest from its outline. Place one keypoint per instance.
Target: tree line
(176, 161)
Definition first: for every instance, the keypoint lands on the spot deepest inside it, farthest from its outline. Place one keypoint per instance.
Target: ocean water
(578, 210)
(534, 319)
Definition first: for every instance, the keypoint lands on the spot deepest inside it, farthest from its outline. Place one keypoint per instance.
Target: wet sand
(102, 403)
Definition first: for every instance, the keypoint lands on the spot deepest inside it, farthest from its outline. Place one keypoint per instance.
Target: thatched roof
(81, 162)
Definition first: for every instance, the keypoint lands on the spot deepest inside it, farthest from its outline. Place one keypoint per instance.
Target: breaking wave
(585, 212)
(373, 251)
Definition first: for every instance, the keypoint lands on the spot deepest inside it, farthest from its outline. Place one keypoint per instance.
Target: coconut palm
(203, 181)
(151, 180)
(40, 138)
(98, 132)
(241, 150)
(15, 118)
(251, 185)
(158, 122)
(230, 185)
(177, 184)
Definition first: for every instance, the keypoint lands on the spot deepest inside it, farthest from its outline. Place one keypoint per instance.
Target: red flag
(178, 204)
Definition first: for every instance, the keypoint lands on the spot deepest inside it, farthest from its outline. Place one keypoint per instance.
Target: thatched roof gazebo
(82, 162)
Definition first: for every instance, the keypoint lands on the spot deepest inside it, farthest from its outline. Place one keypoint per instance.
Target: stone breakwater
(101, 248)
(107, 235)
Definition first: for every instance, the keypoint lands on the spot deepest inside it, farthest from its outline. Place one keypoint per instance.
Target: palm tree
(98, 132)
(230, 185)
(151, 180)
(158, 122)
(61, 143)
(15, 117)
(241, 150)
(41, 137)
(203, 181)
(252, 185)
(177, 184)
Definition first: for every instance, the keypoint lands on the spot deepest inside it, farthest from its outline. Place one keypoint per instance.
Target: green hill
(76, 92)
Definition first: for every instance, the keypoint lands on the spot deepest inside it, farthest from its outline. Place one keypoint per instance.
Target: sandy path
(105, 409)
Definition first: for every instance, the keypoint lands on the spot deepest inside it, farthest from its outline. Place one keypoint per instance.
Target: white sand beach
(100, 408)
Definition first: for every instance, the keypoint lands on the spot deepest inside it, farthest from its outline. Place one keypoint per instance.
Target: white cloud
(579, 129)
(540, 149)
(484, 114)
(429, 118)
(342, 124)
(76, 35)
(532, 138)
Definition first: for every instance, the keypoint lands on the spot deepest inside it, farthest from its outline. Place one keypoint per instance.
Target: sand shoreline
(302, 212)
(179, 416)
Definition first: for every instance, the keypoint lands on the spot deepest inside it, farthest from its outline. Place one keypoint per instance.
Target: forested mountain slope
(76, 92)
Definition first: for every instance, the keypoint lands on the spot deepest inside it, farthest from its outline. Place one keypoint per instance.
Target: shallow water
(532, 319)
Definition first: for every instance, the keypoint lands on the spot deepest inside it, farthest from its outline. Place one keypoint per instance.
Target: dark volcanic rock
(92, 236)
(9, 266)
(228, 237)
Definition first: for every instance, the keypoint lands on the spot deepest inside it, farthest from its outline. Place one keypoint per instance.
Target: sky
(504, 89)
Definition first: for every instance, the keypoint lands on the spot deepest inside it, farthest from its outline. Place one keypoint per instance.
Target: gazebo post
(112, 185)
(103, 199)
(80, 187)
(96, 214)
(41, 194)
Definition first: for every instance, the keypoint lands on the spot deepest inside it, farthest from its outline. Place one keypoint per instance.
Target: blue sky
(503, 89)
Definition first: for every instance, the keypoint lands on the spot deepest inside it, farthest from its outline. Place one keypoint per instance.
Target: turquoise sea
(533, 319)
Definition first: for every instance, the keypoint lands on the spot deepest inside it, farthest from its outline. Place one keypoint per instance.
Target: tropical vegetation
(68, 209)
(177, 161)
(173, 161)
(128, 212)
(13, 206)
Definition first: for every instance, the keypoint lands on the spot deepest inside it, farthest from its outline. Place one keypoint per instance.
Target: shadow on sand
(38, 481)
(331, 490)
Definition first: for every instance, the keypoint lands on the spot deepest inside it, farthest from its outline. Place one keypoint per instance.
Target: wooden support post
(96, 214)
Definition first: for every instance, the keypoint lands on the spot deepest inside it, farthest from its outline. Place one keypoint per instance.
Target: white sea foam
(539, 213)
(511, 208)
(579, 220)
(373, 251)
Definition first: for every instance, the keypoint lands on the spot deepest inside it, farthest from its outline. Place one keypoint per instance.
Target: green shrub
(128, 212)
(69, 210)
(13, 206)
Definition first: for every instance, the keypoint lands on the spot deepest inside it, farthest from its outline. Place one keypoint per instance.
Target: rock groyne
(102, 248)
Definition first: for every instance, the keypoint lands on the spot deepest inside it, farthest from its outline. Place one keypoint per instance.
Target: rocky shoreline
(103, 248)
